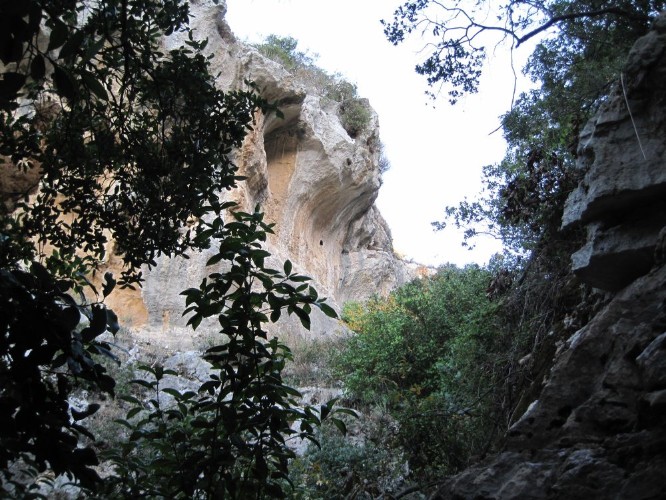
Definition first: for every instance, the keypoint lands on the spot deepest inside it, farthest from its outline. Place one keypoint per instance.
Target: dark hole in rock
(565, 411)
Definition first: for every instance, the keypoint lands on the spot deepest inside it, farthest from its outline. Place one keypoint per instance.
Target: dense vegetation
(112, 139)
(452, 360)
(430, 354)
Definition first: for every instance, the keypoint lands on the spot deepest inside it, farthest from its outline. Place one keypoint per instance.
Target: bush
(283, 50)
(431, 354)
(355, 114)
(344, 468)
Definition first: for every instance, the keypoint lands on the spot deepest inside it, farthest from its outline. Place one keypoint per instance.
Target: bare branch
(576, 15)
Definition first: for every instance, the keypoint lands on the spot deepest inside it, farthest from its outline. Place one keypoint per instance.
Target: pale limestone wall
(316, 183)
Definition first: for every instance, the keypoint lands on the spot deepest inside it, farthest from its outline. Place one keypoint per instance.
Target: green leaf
(172, 392)
(287, 267)
(72, 45)
(133, 412)
(326, 309)
(106, 384)
(130, 399)
(38, 67)
(112, 323)
(302, 315)
(340, 425)
(142, 383)
(215, 259)
(97, 323)
(59, 34)
(94, 85)
(10, 85)
(109, 284)
(64, 83)
(123, 422)
(347, 411)
(80, 415)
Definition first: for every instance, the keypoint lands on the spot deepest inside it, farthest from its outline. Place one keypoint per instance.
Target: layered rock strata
(622, 198)
(597, 429)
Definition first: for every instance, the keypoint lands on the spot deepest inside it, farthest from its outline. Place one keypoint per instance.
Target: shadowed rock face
(622, 199)
(315, 182)
(598, 427)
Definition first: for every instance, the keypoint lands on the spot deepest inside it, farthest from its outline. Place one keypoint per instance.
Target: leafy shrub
(283, 50)
(344, 468)
(167, 133)
(431, 354)
(226, 440)
(355, 116)
(311, 363)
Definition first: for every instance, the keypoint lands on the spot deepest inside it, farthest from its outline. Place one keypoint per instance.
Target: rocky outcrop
(622, 199)
(597, 429)
(312, 179)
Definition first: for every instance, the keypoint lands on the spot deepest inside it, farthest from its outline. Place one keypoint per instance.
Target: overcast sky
(436, 152)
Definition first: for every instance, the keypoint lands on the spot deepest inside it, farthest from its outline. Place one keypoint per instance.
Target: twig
(624, 92)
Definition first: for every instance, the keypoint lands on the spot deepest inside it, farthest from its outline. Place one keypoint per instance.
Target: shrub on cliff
(355, 114)
(283, 50)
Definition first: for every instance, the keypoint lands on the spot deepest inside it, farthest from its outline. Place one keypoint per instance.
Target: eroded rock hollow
(309, 176)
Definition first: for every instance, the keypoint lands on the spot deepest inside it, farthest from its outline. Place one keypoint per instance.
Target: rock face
(597, 429)
(315, 182)
(622, 199)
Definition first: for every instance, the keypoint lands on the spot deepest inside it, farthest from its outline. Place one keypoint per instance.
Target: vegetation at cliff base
(112, 144)
(433, 356)
(454, 359)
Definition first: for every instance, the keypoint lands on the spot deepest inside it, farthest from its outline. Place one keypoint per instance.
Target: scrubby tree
(431, 354)
(579, 52)
(111, 143)
(355, 114)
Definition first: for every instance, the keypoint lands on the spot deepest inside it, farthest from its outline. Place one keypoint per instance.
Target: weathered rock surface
(315, 182)
(597, 429)
(622, 199)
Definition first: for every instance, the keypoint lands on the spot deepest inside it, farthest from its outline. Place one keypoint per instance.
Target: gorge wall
(315, 182)
(597, 429)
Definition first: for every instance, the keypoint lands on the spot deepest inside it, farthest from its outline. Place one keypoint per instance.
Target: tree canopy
(579, 52)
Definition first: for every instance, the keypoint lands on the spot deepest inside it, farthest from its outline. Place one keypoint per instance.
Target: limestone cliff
(597, 429)
(315, 182)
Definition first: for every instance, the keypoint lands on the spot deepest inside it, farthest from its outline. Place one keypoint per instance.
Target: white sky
(436, 153)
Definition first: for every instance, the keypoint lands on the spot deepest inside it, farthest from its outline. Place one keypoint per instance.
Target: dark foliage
(118, 141)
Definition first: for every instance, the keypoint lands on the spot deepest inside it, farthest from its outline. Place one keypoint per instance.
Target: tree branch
(575, 15)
